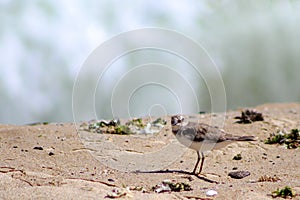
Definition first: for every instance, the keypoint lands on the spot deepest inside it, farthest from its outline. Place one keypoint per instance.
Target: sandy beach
(59, 161)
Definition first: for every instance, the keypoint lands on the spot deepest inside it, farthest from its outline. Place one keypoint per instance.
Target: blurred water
(43, 45)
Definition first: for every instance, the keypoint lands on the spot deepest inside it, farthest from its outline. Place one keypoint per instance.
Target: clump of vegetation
(266, 178)
(169, 186)
(138, 122)
(237, 157)
(122, 130)
(292, 139)
(276, 138)
(104, 123)
(110, 127)
(249, 116)
(177, 187)
(294, 135)
(284, 193)
(96, 126)
(134, 126)
(117, 193)
(159, 121)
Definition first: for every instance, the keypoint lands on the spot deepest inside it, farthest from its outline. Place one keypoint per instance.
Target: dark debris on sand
(249, 116)
(239, 174)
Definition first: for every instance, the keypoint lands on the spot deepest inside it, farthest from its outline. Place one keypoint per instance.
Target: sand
(57, 161)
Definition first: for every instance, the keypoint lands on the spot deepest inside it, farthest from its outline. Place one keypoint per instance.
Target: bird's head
(176, 120)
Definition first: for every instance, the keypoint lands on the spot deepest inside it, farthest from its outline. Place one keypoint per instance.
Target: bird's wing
(210, 133)
(190, 133)
(200, 132)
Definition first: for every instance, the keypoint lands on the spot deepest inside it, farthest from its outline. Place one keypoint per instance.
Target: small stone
(237, 157)
(162, 188)
(190, 178)
(117, 193)
(211, 193)
(51, 153)
(239, 174)
(38, 148)
(111, 180)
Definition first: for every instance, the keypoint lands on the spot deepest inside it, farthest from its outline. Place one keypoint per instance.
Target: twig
(196, 197)
(95, 181)
(10, 169)
(23, 180)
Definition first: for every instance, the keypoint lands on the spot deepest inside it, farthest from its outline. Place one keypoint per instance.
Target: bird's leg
(194, 171)
(202, 161)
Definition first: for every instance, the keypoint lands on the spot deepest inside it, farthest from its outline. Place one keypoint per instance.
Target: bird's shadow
(176, 171)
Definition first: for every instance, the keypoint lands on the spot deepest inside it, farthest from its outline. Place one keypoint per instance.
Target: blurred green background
(44, 43)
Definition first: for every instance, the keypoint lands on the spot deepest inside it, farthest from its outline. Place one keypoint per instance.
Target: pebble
(38, 148)
(211, 193)
(239, 174)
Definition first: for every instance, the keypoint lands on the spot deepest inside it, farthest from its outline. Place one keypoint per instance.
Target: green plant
(122, 130)
(159, 121)
(275, 139)
(294, 135)
(292, 139)
(284, 192)
(177, 187)
(138, 122)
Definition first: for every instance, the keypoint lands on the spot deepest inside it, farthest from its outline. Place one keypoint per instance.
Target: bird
(202, 137)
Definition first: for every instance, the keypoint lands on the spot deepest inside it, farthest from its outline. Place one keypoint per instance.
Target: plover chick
(202, 137)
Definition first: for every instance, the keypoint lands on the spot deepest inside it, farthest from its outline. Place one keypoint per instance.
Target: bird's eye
(173, 121)
(180, 119)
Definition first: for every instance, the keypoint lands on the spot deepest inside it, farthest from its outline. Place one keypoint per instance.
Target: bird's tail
(241, 138)
(246, 138)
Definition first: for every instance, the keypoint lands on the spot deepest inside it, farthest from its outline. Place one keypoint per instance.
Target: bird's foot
(206, 174)
(214, 174)
(200, 174)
